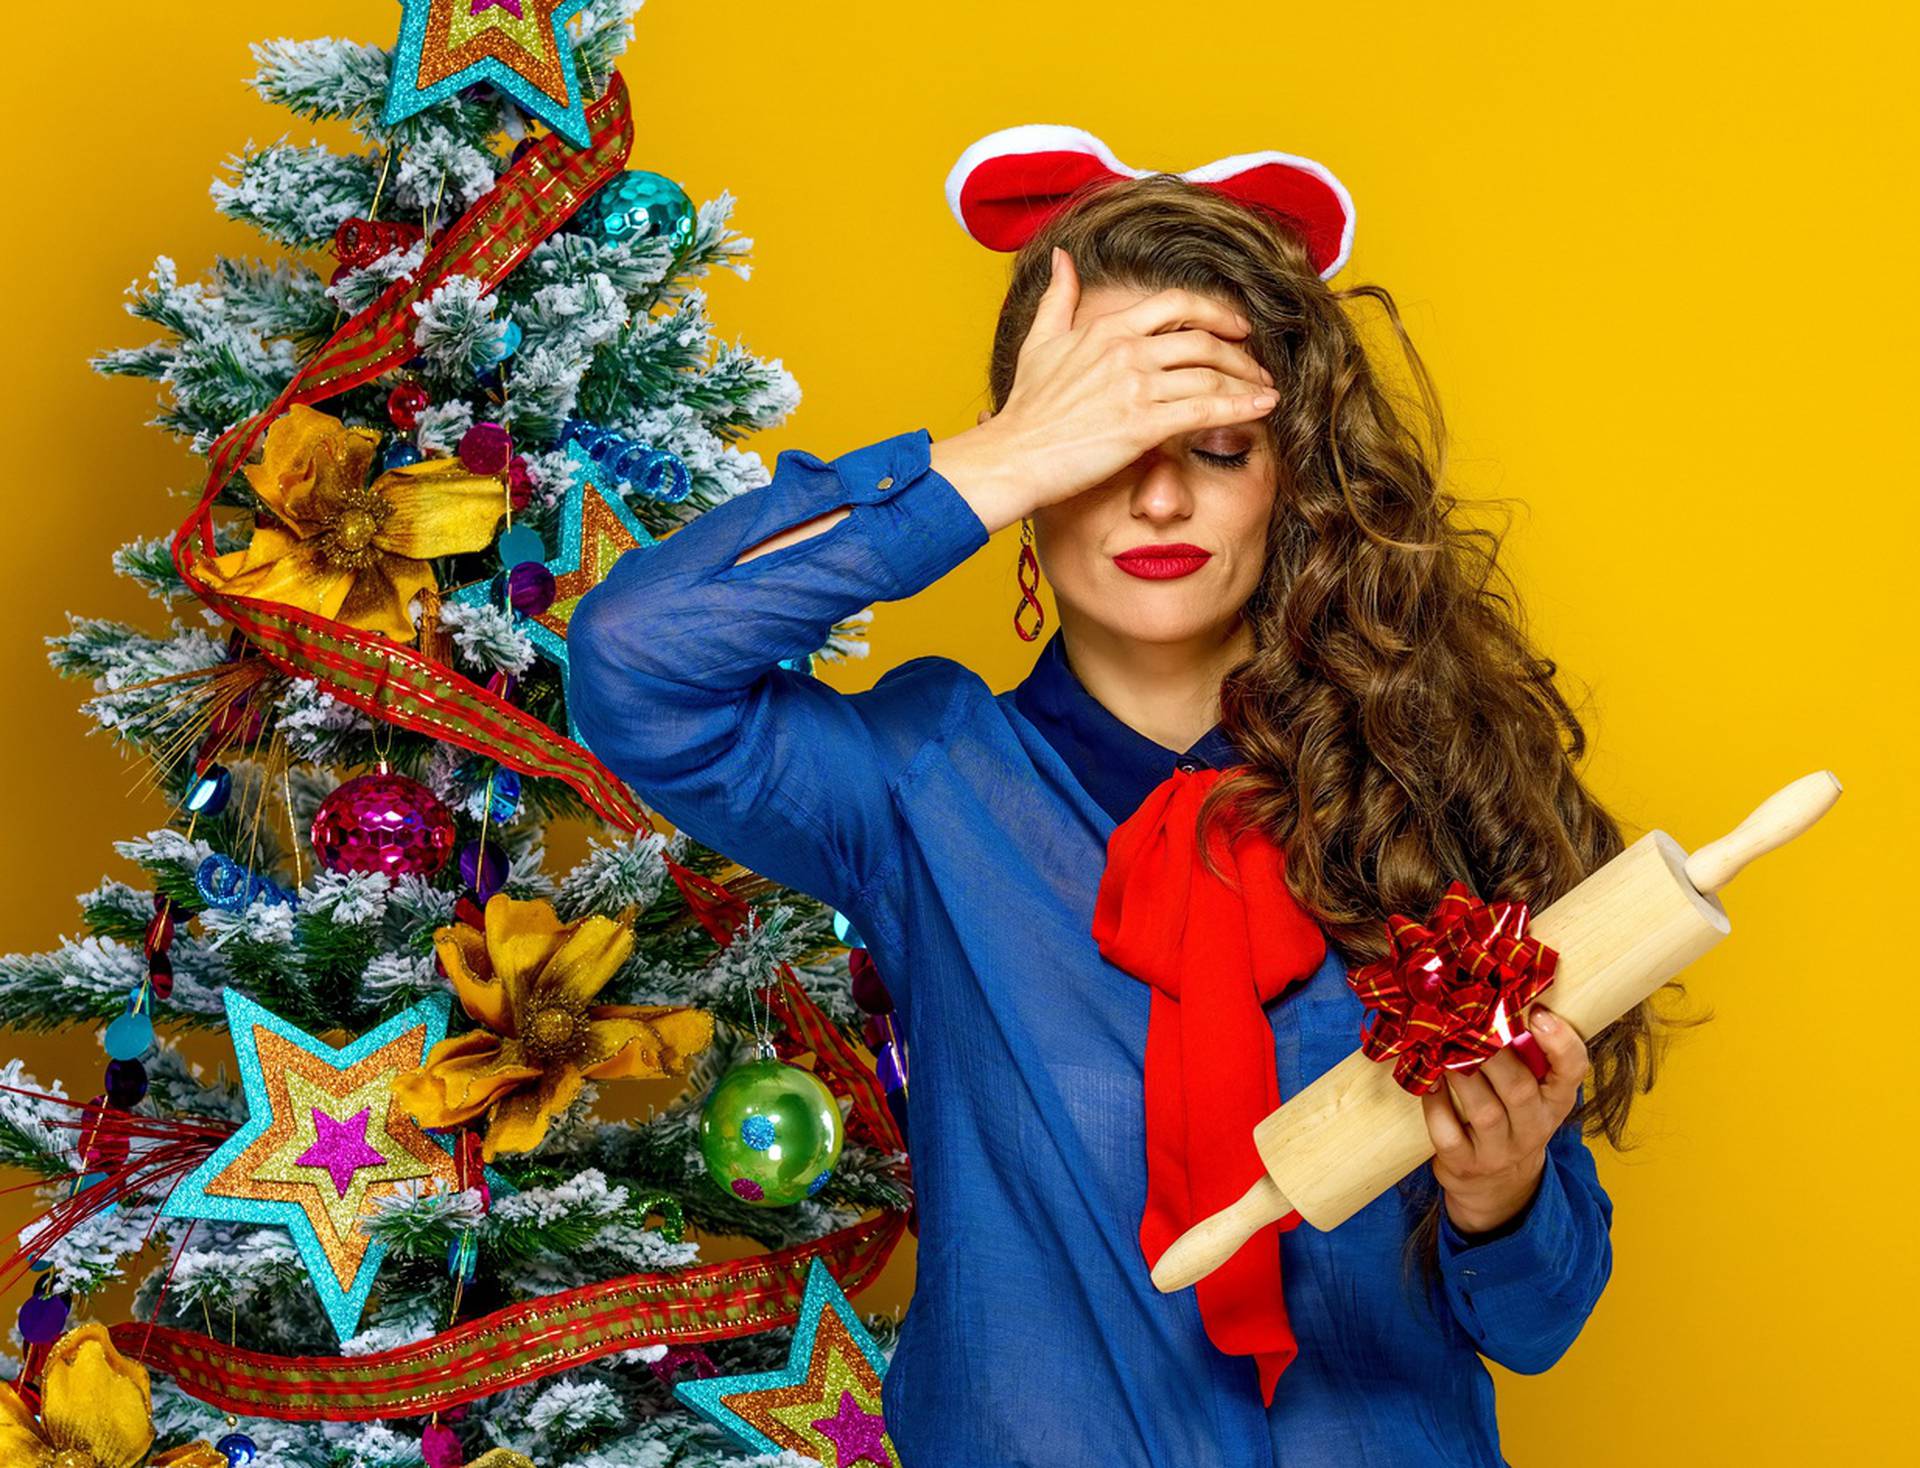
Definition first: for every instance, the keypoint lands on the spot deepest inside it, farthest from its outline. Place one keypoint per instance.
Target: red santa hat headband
(1009, 183)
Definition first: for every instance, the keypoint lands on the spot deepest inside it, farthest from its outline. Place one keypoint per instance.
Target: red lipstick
(1162, 562)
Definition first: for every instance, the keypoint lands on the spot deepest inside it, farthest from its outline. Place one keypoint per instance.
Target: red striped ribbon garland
(518, 1344)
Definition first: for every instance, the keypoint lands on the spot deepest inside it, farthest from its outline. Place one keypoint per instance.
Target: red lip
(1162, 562)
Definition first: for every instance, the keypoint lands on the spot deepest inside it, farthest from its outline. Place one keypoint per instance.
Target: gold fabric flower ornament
(96, 1411)
(345, 548)
(529, 980)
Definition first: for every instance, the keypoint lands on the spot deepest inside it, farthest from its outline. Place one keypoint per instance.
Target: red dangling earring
(1029, 574)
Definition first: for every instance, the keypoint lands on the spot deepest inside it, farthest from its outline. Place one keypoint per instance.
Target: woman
(1175, 373)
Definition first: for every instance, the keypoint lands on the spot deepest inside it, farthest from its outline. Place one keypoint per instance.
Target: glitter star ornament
(596, 529)
(323, 1142)
(824, 1404)
(519, 46)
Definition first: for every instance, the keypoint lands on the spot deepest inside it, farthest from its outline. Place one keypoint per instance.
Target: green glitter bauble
(771, 1133)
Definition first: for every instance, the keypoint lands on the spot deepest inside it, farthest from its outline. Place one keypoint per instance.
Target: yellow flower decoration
(193, 1455)
(96, 1411)
(344, 548)
(529, 980)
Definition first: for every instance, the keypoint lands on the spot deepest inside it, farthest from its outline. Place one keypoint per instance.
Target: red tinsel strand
(180, 1146)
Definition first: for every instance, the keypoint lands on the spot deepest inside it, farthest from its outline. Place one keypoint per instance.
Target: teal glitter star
(596, 529)
(519, 46)
(282, 1168)
(824, 1404)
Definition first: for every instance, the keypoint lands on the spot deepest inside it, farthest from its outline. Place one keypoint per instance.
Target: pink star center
(857, 1435)
(512, 7)
(340, 1147)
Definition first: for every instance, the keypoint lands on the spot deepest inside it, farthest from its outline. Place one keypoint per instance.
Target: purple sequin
(531, 588)
(747, 1188)
(483, 868)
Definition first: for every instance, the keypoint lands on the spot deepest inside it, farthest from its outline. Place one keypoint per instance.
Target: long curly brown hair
(1400, 729)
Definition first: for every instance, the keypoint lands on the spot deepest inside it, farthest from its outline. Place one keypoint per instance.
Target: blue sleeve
(1524, 1291)
(675, 681)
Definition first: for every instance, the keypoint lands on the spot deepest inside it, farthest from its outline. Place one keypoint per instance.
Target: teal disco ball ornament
(639, 205)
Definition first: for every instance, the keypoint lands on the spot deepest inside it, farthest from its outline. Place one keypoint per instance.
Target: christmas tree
(475, 368)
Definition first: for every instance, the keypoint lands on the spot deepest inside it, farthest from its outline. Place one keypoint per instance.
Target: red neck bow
(1009, 183)
(1214, 954)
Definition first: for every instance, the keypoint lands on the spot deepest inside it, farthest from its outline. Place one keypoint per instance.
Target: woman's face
(1212, 489)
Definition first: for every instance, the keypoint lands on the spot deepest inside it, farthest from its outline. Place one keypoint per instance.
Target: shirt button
(1186, 764)
(886, 483)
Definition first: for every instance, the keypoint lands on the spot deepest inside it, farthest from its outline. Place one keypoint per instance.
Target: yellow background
(1659, 259)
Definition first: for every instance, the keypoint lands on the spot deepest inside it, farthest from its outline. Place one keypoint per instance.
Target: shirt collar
(1116, 763)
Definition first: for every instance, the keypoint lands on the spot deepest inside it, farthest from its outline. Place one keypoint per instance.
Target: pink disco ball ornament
(383, 823)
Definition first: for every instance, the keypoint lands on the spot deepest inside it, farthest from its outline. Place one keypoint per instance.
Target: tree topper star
(519, 46)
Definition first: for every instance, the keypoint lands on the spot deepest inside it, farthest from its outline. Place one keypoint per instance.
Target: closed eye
(1225, 461)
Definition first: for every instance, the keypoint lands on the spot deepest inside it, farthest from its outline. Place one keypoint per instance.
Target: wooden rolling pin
(1621, 934)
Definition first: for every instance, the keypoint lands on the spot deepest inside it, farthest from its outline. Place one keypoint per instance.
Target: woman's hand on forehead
(1090, 396)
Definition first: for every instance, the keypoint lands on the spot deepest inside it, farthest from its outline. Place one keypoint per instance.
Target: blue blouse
(963, 833)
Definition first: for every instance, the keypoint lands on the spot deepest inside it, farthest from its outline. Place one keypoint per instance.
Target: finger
(1567, 1053)
(1165, 419)
(1507, 1073)
(1483, 1110)
(1450, 1140)
(1053, 316)
(1197, 382)
(1201, 349)
(1176, 307)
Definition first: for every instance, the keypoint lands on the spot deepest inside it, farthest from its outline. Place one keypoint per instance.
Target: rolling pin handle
(1213, 1241)
(1774, 822)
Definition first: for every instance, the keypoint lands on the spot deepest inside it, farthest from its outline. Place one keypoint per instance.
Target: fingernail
(1542, 1019)
(1265, 400)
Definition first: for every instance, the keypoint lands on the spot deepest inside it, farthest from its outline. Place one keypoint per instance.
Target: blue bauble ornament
(399, 456)
(639, 205)
(510, 340)
(237, 1447)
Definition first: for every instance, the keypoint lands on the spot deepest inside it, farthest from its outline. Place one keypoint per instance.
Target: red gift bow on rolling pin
(1451, 993)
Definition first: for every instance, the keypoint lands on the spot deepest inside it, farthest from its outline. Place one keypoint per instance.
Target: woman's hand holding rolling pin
(1489, 1154)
